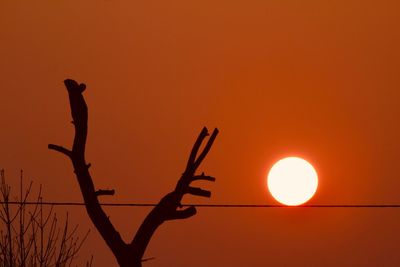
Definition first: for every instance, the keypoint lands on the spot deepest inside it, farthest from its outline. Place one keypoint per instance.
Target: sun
(292, 181)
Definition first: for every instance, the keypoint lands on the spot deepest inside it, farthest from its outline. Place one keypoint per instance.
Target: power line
(210, 205)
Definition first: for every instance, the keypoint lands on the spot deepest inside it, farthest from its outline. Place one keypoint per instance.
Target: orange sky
(317, 79)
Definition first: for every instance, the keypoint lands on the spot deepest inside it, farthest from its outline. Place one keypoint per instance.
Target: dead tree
(169, 208)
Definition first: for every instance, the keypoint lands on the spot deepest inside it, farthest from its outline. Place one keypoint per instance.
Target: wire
(209, 205)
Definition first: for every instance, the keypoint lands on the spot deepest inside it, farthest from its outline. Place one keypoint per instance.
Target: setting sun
(292, 181)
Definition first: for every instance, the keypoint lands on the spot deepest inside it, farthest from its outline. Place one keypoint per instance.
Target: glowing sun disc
(292, 181)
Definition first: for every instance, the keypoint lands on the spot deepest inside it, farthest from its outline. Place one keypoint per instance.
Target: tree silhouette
(169, 207)
(32, 235)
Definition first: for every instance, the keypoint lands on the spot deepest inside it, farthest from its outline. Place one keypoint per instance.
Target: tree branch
(105, 192)
(196, 191)
(203, 134)
(60, 149)
(183, 214)
(99, 218)
(206, 149)
(168, 208)
(203, 177)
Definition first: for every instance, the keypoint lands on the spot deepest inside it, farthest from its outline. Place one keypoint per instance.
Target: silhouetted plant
(169, 208)
(32, 237)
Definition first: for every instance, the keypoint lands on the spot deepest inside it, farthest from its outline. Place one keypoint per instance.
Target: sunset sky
(315, 79)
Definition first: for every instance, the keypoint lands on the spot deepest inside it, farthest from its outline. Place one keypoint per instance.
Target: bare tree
(32, 237)
(169, 208)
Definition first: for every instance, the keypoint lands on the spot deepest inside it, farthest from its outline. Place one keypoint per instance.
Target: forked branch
(169, 208)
